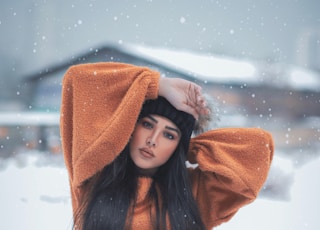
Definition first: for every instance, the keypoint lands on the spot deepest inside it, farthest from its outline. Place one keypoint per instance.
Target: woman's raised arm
(100, 105)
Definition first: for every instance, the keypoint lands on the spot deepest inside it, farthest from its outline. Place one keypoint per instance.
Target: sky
(37, 33)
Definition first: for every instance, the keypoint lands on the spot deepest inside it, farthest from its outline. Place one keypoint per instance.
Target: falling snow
(182, 20)
(268, 44)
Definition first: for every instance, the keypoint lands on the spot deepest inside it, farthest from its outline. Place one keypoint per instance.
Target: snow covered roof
(206, 67)
(215, 68)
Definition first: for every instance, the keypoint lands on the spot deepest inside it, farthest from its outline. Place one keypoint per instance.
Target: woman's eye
(169, 135)
(147, 124)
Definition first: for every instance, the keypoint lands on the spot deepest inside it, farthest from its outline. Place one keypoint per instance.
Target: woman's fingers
(196, 102)
(183, 95)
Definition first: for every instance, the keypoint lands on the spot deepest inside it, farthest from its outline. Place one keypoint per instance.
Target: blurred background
(258, 60)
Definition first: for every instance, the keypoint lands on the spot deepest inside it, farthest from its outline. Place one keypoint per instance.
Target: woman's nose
(151, 141)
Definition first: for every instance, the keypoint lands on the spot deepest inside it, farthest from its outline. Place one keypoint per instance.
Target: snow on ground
(298, 213)
(35, 195)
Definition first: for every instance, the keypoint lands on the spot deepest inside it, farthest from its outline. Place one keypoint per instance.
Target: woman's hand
(183, 95)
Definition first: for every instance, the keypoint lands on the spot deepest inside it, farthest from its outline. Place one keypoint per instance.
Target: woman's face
(153, 141)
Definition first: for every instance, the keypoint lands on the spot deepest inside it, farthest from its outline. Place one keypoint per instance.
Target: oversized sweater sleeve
(100, 106)
(233, 164)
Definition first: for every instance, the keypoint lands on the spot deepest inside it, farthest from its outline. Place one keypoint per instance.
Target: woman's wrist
(162, 86)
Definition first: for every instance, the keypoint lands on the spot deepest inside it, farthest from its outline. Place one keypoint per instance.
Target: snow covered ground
(301, 211)
(35, 195)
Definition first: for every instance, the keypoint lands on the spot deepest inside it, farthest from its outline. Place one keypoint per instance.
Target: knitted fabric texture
(184, 121)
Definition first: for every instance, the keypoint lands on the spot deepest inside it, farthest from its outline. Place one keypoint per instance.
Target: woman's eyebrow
(152, 118)
(174, 129)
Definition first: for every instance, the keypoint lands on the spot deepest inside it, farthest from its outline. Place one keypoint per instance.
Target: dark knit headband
(184, 121)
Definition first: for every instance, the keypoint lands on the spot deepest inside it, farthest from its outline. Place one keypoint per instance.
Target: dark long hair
(111, 199)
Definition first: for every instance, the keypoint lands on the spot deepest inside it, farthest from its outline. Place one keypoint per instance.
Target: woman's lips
(146, 153)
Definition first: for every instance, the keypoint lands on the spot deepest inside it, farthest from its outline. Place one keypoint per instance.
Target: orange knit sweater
(100, 105)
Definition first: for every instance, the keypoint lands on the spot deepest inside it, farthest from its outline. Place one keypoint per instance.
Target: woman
(126, 135)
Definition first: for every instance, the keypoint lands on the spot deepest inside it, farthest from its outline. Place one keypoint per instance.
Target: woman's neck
(146, 172)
